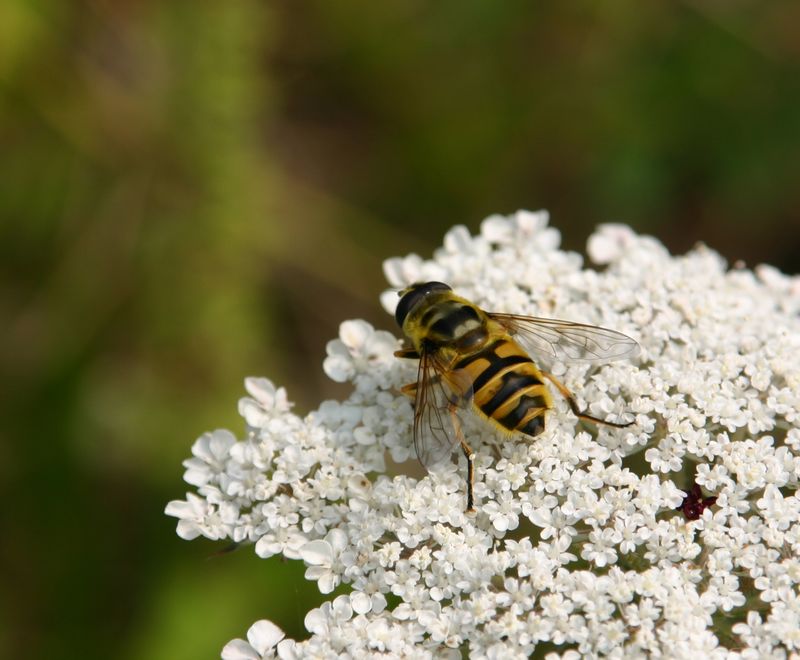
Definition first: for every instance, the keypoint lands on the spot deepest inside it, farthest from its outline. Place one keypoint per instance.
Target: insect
(470, 359)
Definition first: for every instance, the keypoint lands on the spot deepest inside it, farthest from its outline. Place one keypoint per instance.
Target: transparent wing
(441, 395)
(568, 340)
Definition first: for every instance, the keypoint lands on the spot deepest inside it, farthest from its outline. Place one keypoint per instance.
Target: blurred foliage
(195, 192)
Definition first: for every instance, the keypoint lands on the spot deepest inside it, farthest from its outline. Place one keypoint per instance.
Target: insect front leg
(409, 390)
(574, 406)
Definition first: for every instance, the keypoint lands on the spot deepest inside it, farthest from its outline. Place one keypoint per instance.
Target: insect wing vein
(565, 339)
(435, 435)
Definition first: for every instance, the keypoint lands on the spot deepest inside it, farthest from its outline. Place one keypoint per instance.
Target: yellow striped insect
(470, 359)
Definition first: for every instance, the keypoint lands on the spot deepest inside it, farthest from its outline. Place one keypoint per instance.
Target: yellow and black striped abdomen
(507, 386)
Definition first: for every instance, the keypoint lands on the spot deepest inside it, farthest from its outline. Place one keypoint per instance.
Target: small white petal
(393, 272)
(179, 509)
(389, 300)
(316, 622)
(327, 583)
(378, 603)
(337, 539)
(317, 553)
(238, 649)
(263, 635)
(496, 229)
(360, 602)
(252, 412)
(531, 222)
(354, 333)
(457, 240)
(220, 442)
(288, 649)
(261, 389)
(609, 242)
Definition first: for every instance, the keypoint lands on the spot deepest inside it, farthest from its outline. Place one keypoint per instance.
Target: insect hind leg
(580, 414)
(470, 456)
(409, 390)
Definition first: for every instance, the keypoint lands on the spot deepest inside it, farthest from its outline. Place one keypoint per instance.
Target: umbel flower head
(678, 536)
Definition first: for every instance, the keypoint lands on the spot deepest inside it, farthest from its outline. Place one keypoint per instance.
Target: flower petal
(238, 649)
(263, 635)
(317, 553)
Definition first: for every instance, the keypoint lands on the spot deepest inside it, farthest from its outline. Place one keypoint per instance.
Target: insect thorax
(453, 324)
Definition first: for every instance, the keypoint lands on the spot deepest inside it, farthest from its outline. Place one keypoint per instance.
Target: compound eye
(413, 295)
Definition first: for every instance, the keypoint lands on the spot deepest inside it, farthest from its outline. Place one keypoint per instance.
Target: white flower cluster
(678, 536)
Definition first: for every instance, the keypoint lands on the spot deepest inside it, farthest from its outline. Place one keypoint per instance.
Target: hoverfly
(473, 359)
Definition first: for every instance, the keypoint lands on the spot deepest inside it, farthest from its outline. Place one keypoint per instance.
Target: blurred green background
(193, 192)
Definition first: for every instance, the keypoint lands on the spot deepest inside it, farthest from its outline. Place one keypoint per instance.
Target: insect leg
(470, 455)
(407, 353)
(574, 406)
(410, 390)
